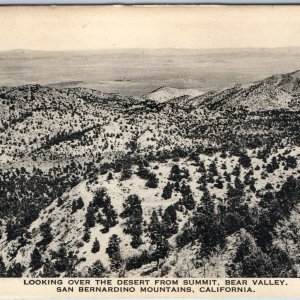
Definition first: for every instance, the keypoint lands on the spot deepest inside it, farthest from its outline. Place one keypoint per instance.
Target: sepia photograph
(150, 142)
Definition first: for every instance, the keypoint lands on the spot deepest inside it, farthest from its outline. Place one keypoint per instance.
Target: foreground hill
(96, 184)
(94, 211)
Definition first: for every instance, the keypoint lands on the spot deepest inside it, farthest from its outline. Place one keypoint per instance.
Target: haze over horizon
(153, 49)
(137, 72)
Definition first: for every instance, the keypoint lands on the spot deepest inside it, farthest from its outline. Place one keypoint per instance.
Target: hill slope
(164, 94)
(96, 184)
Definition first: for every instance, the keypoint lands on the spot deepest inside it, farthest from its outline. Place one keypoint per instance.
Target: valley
(173, 183)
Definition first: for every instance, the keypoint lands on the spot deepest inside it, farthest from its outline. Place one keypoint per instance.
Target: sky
(106, 27)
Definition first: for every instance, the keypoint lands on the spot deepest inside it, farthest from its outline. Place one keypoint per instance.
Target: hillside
(288, 82)
(268, 94)
(175, 184)
(164, 94)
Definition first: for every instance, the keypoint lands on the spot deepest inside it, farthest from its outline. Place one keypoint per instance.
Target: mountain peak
(165, 93)
(289, 82)
(296, 74)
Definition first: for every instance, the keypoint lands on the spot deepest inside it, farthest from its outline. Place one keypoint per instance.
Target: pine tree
(152, 181)
(245, 160)
(185, 173)
(263, 231)
(167, 191)
(239, 187)
(278, 207)
(62, 262)
(213, 169)
(15, 270)
(131, 205)
(108, 217)
(74, 207)
(247, 177)
(99, 198)
(96, 270)
(283, 264)
(134, 214)
(155, 229)
(48, 270)
(113, 245)
(171, 210)
(252, 185)
(175, 174)
(187, 197)
(207, 228)
(96, 246)
(136, 234)
(234, 196)
(251, 261)
(162, 248)
(36, 260)
(126, 173)
(143, 172)
(219, 183)
(87, 235)
(70, 264)
(274, 163)
(157, 237)
(291, 162)
(227, 176)
(2, 268)
(201, 169)
(80, 203)
(110, 176)
(202, 182)
(236, 170)
(237, 212)
(60, 202)
(176, 186)
(90, 219)
(45, 229)
(207, 204)
(113, 251)
(187, 234)
(10, 230)
(169, 225)
(286, 198)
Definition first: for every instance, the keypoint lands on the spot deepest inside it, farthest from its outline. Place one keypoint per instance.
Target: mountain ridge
(177, 187)
(164, 94)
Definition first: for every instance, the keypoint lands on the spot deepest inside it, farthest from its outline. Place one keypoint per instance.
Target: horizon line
(149, 49)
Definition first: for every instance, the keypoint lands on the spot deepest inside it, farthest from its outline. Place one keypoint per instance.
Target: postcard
(149, 151)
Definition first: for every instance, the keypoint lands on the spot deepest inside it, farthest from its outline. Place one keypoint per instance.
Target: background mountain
(288, 82)
(164, 94)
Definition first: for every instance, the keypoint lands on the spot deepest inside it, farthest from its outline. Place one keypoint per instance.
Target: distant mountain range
(276, 92)
(140, 71)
